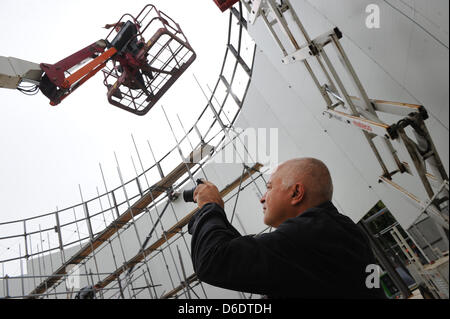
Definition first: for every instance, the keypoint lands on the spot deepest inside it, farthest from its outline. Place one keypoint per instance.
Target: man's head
(294, 187)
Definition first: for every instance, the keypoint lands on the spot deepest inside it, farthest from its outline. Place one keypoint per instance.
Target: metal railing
(27, 241)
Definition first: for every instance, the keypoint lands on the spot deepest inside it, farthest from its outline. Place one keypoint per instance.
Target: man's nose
(263, 199)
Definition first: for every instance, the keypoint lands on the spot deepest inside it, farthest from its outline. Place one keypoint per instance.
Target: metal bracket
(255, 10)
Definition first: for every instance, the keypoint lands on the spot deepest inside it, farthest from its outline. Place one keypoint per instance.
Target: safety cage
(153, 53)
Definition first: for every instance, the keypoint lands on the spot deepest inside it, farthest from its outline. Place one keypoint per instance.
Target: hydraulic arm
(141, 58)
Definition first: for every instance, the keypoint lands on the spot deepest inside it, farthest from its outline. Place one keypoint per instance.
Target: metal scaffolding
(96, 242)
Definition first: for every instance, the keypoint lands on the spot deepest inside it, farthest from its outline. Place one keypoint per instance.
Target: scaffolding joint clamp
(338, 33)
(393, 131)
(314, 50)
(423, 113)
(172, 195)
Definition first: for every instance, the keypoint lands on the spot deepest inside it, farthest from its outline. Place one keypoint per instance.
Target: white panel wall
(388, 61)
(411, 45)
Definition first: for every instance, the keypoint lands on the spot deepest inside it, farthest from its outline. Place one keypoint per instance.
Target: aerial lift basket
(153, 53)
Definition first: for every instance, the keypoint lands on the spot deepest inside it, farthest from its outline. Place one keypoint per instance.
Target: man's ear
(298, 193)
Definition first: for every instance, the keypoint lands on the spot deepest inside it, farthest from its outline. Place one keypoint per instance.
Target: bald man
(314, 251)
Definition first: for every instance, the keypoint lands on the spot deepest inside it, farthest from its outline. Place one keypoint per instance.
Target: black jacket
(319, 254)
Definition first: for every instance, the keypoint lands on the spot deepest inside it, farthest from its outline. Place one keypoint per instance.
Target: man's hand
(207, 193)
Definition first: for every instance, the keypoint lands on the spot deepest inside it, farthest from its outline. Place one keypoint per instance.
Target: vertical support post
(61, 245)
(21, 272)
(6, 278)
(86, 215)
(25, 235)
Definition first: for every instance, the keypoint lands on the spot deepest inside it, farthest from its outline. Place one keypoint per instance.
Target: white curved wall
(398, 62)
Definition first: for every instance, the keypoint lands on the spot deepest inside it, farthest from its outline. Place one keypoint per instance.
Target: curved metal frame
(113, 197)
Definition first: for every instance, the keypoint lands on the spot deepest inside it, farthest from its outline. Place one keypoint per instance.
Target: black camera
(188, 195)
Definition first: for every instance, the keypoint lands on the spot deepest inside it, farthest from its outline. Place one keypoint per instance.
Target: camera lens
(188, 195)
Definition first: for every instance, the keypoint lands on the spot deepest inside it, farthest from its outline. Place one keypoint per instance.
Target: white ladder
(359, 111)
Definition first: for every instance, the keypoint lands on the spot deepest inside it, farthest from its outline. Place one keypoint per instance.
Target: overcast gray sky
(45, 151)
